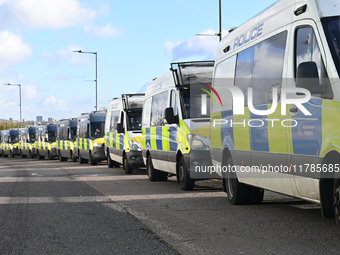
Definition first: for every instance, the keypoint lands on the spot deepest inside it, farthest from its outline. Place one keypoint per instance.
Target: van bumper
(98, 153)
(135, 159)
(197, 163)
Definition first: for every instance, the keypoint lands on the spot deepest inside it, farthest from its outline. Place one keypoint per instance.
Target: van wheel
(127, 168)
(110, 162)
(61, 158)
(4, 155)
(92, 160)
(185, 181)
(153, 173)
(22, 155)
(256, 196)
(39, 156)
(82, 160)
(163, 177)
(336, 201)
(73, 158)
(238, 193)
(49, 155)
(12, 154)
(30, 154)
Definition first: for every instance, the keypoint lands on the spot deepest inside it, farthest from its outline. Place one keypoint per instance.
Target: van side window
(159, 103)
(307, 50)
(261, 67)
(146, 113)
(173, 102)
(114, 120)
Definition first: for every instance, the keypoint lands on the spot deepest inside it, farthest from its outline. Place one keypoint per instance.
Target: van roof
(274, 17)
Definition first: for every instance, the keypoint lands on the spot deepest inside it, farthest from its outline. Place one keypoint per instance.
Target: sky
(135, 42)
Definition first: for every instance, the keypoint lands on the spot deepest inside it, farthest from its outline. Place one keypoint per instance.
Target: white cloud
(12, 50)
(55, 57)
(106, 31)
(46, 13)
(198, 46)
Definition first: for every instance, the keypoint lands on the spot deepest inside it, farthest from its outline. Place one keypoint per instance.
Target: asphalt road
(52, 207)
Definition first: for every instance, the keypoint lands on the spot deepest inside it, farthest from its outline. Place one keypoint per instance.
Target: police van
(90, 137)
(123, 132)
(66, 138)
(10, 142)
(27, 136)
(45, 146)
(276, 127)
(175, 123)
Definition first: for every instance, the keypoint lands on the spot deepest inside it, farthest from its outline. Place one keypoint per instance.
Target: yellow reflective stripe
(117, 144)
(143, 138)
(111, 139)
(216, 141)
(241, 131)
(153, 137)
(182, 139)
(126, 141)
(85, 144)
(165, 138)
(330, 129)
(276, 140)
(90, 145)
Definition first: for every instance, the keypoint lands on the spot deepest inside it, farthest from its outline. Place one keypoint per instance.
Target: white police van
(123, 132)
(175, 124)
(276, 127)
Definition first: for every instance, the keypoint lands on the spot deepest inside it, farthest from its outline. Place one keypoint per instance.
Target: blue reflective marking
(159, 138)
(307, 135)
(259, 133)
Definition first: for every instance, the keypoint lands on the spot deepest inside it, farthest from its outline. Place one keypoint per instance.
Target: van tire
(61, 158)
(237, 193)
(73, 158)
(336, 201)
(256, 196)
(22, 155)
(185, 181)
(82, 160)
(39, 156)
(153, 173)
(127, 168)
(110, 162)
(163, 177)
(92, 160)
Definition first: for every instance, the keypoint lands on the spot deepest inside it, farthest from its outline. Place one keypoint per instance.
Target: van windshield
(332, 30)
(14, 138)
(97, 129)
(195, 102)
(52, 136)
(73, 133)
(135, 121)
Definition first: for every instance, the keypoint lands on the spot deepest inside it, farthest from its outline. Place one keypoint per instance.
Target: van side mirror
(169, 115)
(45, 140)
(120, 128)
(308, 78)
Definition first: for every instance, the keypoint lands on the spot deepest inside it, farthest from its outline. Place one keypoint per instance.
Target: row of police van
(263, 116)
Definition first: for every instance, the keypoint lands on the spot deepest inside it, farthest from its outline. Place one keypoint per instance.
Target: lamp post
(96, 80)
(19, 85)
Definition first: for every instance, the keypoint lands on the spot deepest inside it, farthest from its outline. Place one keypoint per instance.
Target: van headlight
(135, 146)
(198, 142)
(97, 145)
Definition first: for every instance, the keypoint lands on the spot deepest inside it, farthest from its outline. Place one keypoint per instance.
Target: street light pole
(96, 80)
(19, 85)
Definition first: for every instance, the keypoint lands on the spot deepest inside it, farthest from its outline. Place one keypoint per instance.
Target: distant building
(11, 119)
(39, 118)
(50, 119)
